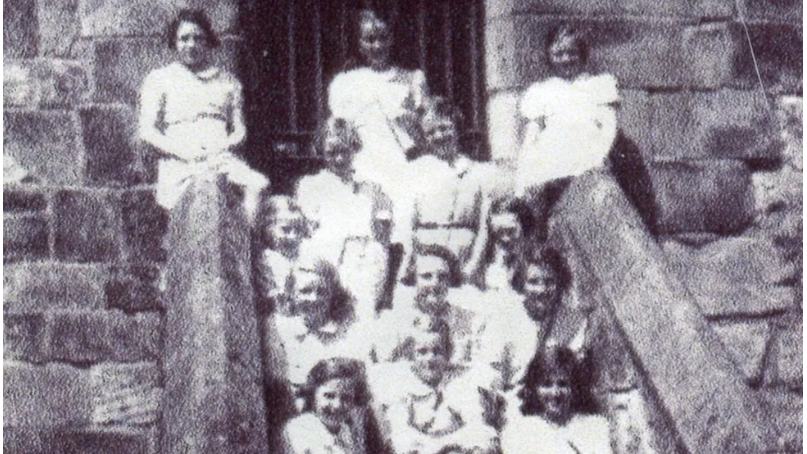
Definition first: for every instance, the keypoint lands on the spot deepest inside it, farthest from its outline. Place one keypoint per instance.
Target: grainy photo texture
(402, 226)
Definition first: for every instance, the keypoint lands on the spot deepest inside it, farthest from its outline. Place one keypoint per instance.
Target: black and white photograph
(403, 226)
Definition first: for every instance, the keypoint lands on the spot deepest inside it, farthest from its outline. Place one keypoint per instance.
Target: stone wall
(83, 313)
(724, 157)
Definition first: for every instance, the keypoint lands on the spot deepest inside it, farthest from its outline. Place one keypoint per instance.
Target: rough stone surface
(91, 337)
(45, 396)
(44, 287)
(22, 200)
(58, 26)
(775, 10)
(733, 275)
(634, 118)
(778, 56)
(722, 124)
(126, 395)
(45, 144)
(788, 353)
(135, 288)
(19, 29)
(25, 238)
(149, 17)
(24, 337)
(710, 8)
(746, 342)
(86, 226)
(102, 440)
(214, 397)
(110, 142)
(702, 196)
(44, 83)
(709, 51)
(787, 414)
(144, 225)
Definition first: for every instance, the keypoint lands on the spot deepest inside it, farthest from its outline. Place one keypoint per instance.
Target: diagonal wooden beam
(698, 386)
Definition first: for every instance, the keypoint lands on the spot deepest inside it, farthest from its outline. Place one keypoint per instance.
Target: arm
(238, 130)
(152, 110)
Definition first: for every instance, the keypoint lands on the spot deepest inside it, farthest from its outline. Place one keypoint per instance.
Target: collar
(207, 74)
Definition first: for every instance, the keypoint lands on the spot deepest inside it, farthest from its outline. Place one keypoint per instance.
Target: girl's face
(333, 401)
(505, 230)
(375, 41)
(565, 56)
(286, 232)
(541, 292)
(192, 45)
(441, 137)
(339, 156)
(555, 394)
(311, 293)
(430, 360)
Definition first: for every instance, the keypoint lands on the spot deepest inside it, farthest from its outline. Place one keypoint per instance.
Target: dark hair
(543, 255)
(340, 302)
(336, 368)
(268, 208)
(193, 16)
(552, 359)
(575, 34)
(385, 15)
(440, 106)
(342, 128)
(441, 252)
(526, 221)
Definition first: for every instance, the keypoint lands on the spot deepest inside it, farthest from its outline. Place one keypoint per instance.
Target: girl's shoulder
(540, 94)
(604, 87)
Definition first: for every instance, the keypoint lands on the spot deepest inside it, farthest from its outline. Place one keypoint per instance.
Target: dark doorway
(293, 48)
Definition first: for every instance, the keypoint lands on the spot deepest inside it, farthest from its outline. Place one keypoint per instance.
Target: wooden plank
(214, 400)
(691, 373)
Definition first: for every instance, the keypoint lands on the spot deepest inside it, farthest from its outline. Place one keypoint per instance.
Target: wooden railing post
(213, 395)
(681, 358)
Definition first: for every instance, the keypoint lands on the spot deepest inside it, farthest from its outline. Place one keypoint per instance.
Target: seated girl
(571, 121)
(280, 229)
(350, 219)
(191, 111)
(432, 406)
(552, 412)
(335, 419)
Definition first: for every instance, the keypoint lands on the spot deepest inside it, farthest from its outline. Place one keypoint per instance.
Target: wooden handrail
(213, 394)
(681, 359)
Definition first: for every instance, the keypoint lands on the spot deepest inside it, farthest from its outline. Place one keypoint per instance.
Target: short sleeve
(342, 100)
(151, 99)
(603, 88)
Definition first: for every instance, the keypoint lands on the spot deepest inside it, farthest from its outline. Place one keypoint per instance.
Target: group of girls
(330, 258)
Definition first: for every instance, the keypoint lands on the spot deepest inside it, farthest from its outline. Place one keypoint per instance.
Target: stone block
(45, 396)
(733, 276)
(787, 414)
(92, 337)
(702, 196)
(695, 8)
(126, 395)
(25, 238)
(501, 42)
(144, 226)
(790, 11)
(44, 287)
(634, 118)
(724, 124)
(110, 143)
(22, 200)
(709, 52)
(787, 357)
(747, 344)
(101, 440)
(24, 337)
(45, 144)
(135, 288)
(777, 58)
(87, 226)
(23, 440)
(150, 17)
(58, 26)
(44, 83)
(19, 29)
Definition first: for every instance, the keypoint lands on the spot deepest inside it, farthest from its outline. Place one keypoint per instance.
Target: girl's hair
(344, 130)
(385, 15)
(572, 33)
(526, 221)
(194, 16)
(340, 302)
(268, 209)
(441, 252)
(543, 255)
(552, 359)
(336, 368)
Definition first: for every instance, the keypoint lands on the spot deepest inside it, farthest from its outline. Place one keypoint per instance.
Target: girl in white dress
(549, 413)
(383, 101)
(571, 116)
(335, 419)
(191, 111)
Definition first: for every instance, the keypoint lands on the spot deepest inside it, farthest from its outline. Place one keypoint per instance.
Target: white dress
(379, 103)
(571, 127)
(582, 434)
(306, 434)
(196, 119)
